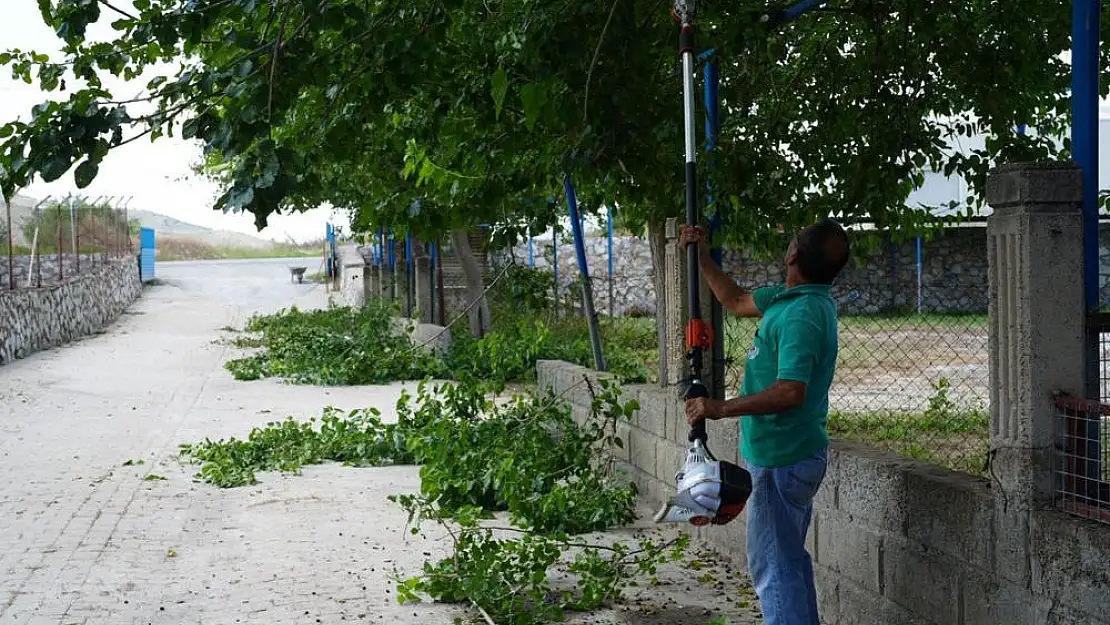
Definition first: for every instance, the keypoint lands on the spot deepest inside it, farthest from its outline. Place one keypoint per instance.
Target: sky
(150, 176)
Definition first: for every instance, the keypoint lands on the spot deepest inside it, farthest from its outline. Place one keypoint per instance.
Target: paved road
(85, 539)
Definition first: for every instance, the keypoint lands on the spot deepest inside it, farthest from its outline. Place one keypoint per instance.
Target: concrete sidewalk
(85, 539)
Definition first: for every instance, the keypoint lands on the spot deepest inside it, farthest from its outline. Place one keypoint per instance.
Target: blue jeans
(779, 513)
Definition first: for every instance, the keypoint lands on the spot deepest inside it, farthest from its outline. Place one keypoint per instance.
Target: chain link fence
(47, 243)
(912, 372)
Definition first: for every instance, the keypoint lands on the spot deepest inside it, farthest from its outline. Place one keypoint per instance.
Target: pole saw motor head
(710, 491)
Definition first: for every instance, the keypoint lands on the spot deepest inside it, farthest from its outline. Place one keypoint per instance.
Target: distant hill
(23, 208)
(164, 225)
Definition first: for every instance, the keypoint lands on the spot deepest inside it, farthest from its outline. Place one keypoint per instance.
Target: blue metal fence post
(409, 274)
(920, 267)
(555, 263)
(531, 252)
(392, 256)
(433, 267)
(587, 288)
(609, 229)
(1085, 95)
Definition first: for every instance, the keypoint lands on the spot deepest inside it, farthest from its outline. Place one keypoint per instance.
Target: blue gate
(146, 254)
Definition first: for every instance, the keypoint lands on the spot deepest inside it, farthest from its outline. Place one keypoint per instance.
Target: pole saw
(709, 491)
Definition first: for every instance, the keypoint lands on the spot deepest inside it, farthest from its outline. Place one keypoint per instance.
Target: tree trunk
(657, 239)
(475, 286)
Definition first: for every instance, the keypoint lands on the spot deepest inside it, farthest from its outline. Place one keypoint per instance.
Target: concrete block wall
(35, 319)
(895, 541)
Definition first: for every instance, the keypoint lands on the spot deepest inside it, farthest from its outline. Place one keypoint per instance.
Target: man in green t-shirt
(783, 407)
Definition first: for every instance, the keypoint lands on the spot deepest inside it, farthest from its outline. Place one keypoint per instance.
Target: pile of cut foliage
(526, 461)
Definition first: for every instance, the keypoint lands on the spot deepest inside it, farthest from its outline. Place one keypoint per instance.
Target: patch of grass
(174, 248)
(946, 434)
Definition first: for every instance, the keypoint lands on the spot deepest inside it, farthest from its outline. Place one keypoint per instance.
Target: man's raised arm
(734, 298)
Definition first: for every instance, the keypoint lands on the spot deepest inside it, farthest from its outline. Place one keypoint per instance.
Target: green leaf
(534, 97)
(190, 127)
(55, 167)
(499, 87)
(85, 173)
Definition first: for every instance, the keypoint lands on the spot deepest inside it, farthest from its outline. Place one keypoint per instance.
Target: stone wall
(46, 268)
(894, 541)
(39, 318)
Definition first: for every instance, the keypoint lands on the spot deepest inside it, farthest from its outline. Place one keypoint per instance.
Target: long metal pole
(555, 263)
(408, 275)
(587, 287)
(797, 10)
(392, 267)
(716, 311)
(433, 262)
(1085, 93)
(441, 309)
(73, 233)
(609, 228)
(694, 346)
(11, 249)
(58, 228)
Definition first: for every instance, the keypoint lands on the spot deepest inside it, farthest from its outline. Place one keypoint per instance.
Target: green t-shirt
(796, 340)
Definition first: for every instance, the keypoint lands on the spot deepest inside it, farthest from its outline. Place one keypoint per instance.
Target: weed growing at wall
(945, 433)
(527, 458)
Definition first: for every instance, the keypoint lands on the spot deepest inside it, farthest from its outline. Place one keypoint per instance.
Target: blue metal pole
(531, 252)
(392, 267)
(408, 275)
(555, 263)
(609, 232)
(1084, 138)
(1084, 102)
(798, 10)
(712, 126)
(716, 311)
(583, 270)
(920, 266)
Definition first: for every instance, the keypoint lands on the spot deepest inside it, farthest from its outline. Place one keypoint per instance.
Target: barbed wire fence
(53, 241)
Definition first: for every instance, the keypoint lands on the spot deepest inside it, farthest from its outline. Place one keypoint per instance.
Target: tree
(434, 116)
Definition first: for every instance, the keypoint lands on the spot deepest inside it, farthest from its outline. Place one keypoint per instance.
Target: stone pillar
(1035, 258)
(373, 282)
(423, 268)
(675, 305)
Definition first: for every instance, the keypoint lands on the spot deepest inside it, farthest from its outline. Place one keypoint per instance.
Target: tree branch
(118, 10)
(593, 62)
(135, 138)
(274, 61)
